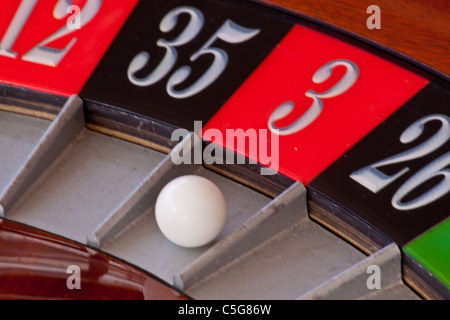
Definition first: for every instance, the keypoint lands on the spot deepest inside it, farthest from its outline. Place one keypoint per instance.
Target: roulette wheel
(325, 126)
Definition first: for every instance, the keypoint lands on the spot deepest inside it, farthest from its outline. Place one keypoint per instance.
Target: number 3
(321, 75)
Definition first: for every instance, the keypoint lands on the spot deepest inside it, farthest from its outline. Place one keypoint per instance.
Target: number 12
(41, 54)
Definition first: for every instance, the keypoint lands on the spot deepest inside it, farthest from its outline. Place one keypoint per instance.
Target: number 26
(375, 180)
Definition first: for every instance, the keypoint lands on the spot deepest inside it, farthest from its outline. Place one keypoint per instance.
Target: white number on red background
(42, 53)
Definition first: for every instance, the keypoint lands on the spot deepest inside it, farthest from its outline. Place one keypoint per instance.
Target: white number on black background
(375, 180)
(229, 32)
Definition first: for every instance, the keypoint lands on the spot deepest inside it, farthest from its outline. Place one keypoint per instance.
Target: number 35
(229, 32)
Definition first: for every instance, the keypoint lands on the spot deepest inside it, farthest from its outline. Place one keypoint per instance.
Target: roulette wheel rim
(101, 117)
